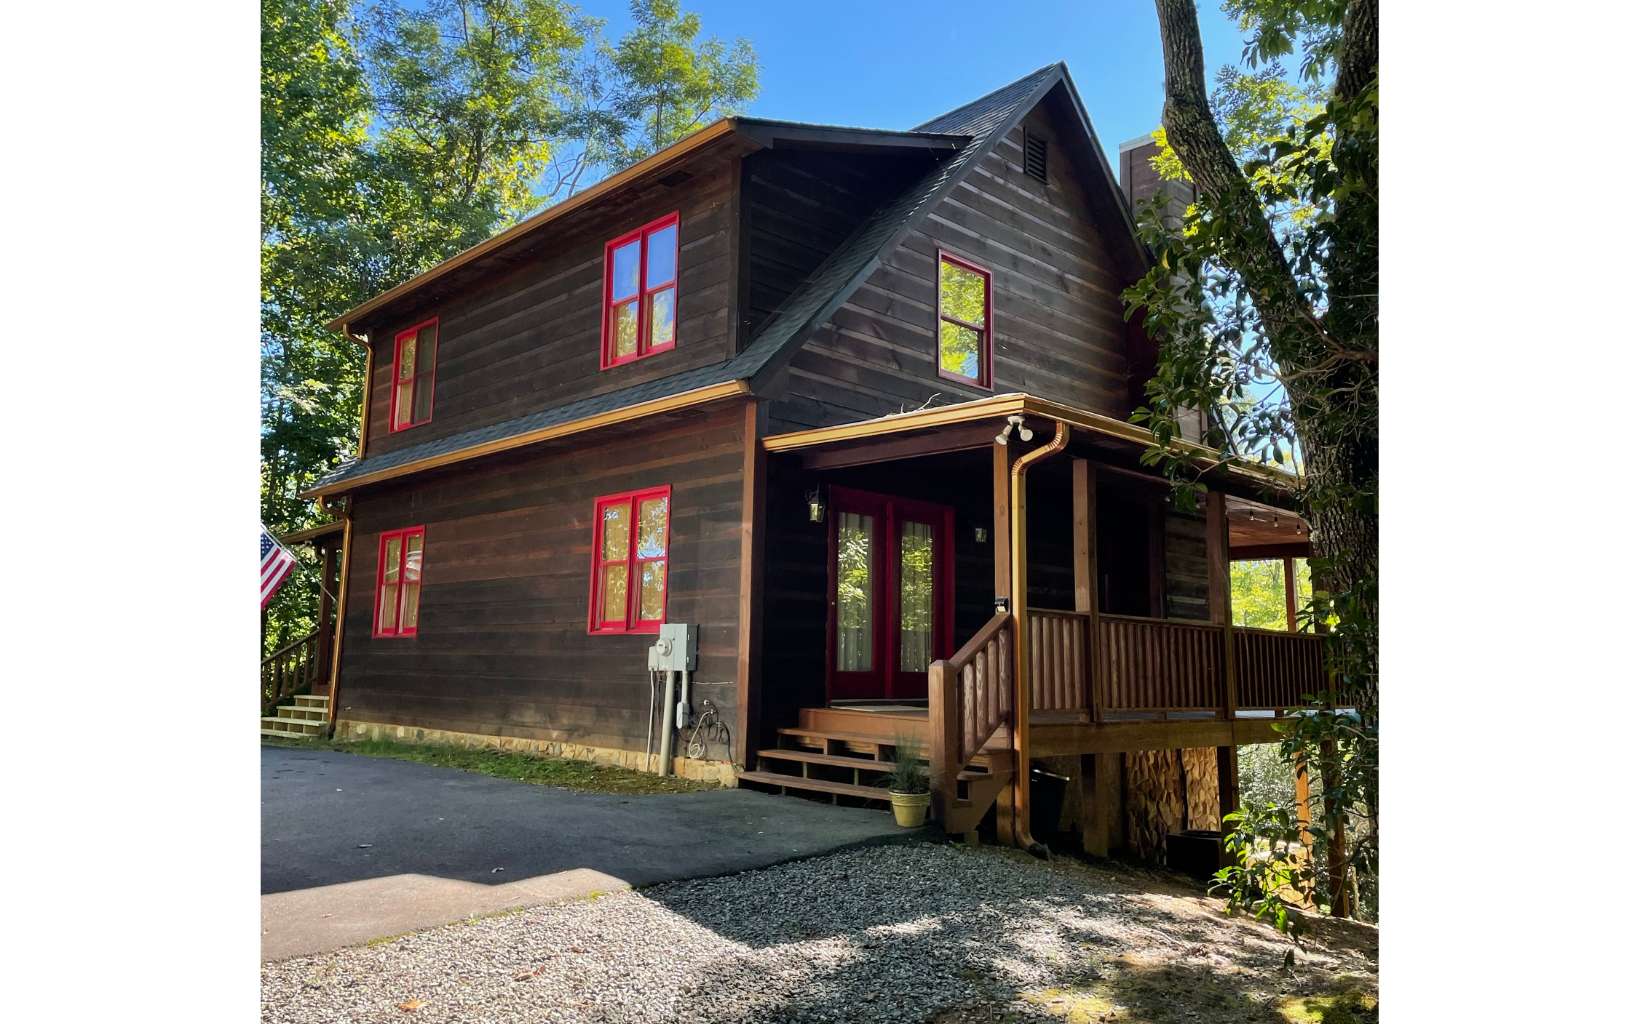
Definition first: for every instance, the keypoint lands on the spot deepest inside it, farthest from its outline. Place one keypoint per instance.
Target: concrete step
(876, 793)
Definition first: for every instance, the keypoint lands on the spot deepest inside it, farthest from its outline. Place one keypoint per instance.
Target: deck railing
(970, 697)
(1061, 669)
(289, 670)
(1276, 670)
(1160, 665)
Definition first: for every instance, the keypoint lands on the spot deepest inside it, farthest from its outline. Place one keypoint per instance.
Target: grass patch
(509, 764)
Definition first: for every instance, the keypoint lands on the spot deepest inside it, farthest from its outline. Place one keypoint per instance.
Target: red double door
(891, 599)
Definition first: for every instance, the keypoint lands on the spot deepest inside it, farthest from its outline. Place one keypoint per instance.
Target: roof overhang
(313, 534)
(625, 414)
(1020, 404)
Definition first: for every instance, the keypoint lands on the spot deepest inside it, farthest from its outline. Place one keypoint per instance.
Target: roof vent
(1036, 157)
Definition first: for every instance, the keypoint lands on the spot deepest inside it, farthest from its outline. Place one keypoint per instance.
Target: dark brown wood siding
(799, 205)
(1057, 311)
(503, 647)
(529, 338)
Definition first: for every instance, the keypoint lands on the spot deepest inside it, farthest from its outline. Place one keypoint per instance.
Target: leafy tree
(1258, 592)
(668, 85)
(1264, 299)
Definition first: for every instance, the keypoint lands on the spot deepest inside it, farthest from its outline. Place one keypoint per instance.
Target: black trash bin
(1047, 801)
(1196, 852)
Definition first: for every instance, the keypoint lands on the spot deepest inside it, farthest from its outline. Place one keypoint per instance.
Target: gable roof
(978, 126)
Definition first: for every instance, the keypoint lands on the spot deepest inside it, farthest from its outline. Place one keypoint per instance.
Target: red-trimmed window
(631, 535)
(414, 350)
(398, 582)
(641, 292)
(964, 291)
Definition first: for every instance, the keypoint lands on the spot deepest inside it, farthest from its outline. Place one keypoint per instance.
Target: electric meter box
(676, 648)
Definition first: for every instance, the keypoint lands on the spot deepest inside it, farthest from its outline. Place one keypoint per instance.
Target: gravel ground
(901, 933)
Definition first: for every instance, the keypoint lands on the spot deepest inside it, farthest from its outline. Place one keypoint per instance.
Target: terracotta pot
(910, 809)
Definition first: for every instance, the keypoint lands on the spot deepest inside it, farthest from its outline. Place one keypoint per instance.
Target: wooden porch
(1094, 682)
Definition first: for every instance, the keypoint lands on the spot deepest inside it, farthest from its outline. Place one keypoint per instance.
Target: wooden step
(830, 760)
(817, 785)
(301, 714)
(284, 735)
(313, 700)
(863, 739)
(293, 725)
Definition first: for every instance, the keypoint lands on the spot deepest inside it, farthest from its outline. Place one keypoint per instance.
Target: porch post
(1002, 458)
(1218, 593)
(1292, 593)
(1301, 792)
(942, 738)
(1085, 561)
(327, 586)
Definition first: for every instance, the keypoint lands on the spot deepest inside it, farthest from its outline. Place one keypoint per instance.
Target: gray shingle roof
(983, 121)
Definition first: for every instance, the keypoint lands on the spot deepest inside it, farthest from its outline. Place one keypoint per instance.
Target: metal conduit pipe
(1022, 683)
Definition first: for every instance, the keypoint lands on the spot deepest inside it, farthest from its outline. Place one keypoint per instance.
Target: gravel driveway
(923, 932)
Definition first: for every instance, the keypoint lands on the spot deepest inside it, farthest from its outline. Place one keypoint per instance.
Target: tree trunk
(1327, 364)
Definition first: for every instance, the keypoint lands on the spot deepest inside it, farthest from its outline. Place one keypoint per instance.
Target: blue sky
(895, 63)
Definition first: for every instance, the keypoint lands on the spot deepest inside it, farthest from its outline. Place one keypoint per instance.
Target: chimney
(1140, 181)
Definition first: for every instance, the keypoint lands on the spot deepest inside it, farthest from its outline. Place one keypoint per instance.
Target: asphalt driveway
(356, 848)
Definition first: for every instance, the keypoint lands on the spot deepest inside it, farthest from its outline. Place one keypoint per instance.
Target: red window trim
(393, 396)
(606, 349)
(632, 624)
(985, 338)
(381, 581)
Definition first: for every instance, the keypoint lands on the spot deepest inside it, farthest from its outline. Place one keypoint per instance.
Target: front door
(891, 601)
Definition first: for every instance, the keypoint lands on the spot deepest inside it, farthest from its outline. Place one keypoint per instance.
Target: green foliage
(1258, 591)
(1254, 328)
(667, 83)
(393, 138)
(910, 774)
(1270, 868)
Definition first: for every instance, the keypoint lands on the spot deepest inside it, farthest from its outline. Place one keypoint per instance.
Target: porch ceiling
(969, 424)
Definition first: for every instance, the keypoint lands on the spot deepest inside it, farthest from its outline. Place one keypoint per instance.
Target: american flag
(276, 566)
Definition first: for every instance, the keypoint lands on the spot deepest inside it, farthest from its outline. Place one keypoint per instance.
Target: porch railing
(289, 670)
(1160, 665)
(970, 697)
(1061, 669)
(1277, 669)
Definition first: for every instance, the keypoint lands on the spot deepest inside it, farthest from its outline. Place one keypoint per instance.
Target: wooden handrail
(281, 652)
(970, 697)
(291, 669)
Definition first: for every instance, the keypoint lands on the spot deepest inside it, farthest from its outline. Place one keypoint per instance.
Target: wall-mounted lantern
(817, 507)
(981, 534)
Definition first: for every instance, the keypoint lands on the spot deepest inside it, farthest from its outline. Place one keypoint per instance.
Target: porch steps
(306, 717)
(833, 754)
(877, 793)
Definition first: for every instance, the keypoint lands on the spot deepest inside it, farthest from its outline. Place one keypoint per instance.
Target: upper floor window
(631, 535)
(414, 351)
(398, 582)
(641, 292)
(965, 321)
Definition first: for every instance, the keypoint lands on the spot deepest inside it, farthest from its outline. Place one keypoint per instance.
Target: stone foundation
(720, 772)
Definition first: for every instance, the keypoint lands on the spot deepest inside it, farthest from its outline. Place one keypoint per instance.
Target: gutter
(697, 396)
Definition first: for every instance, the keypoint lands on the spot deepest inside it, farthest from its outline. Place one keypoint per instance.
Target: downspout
(342, 570)
(1022, 683)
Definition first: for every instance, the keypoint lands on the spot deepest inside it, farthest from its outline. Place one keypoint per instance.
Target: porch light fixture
(1015, 420)
(817, 507)
(980, 535)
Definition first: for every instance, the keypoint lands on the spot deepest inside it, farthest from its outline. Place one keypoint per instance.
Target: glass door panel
(916, 596)
(856, 591)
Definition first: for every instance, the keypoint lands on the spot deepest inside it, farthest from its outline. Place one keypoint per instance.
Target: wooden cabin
(855, 404)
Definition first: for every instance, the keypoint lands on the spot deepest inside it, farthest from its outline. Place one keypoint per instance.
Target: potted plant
(908, 785)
